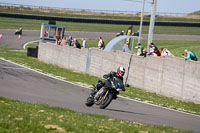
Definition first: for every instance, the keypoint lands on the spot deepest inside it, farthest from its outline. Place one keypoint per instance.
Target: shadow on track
(123, 111)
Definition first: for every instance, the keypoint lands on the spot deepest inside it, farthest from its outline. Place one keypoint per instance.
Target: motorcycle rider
(119, 74)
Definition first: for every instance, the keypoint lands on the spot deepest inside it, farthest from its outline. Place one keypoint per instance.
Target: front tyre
(89, 102)
(106, 101)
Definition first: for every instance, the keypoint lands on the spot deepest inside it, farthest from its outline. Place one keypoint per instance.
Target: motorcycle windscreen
(118, 83)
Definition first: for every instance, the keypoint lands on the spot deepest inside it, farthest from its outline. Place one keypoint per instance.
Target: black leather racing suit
(109, 76)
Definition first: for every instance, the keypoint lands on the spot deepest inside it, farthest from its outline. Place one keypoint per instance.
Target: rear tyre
(106, 101)
(89, 102)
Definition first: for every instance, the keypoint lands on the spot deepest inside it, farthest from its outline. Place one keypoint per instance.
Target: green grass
(14, 23)
(32, 45)
(19, 117)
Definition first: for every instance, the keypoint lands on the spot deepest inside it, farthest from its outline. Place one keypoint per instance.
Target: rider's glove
(119, 89)
(105, 76)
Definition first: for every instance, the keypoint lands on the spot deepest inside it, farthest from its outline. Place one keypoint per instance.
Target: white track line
(24, 46)
(90, 88)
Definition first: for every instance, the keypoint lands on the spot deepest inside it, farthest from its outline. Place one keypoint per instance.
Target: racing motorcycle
(106, 93)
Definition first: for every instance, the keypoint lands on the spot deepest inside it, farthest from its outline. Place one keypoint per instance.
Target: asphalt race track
(29, 86)
(17, 82)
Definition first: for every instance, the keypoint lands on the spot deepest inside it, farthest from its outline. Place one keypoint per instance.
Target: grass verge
(18, 117)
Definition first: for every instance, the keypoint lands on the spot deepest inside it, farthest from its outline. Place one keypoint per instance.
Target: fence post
(87, 70)
(129, 65)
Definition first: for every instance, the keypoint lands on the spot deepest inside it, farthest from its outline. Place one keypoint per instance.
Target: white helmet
(120, 71)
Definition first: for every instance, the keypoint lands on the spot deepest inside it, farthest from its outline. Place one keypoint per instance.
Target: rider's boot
(114, 96)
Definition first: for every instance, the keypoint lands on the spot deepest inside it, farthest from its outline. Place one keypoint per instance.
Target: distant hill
(195, 13)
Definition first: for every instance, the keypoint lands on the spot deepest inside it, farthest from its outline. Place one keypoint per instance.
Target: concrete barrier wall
(103, 62)
(191, 86)
(169, 76)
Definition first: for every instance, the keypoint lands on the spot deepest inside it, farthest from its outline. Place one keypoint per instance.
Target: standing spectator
(165, 52)
(139, 49)
(70, 42)
(101, 43)
(190, 55)
(84, 43)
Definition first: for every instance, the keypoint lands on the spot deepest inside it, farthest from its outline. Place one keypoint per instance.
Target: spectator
(64, 41)
(70, 42)
(120, 34)
(165, 52)
(153, 50)
(157, 52)
(144, 53)
(84, 43)
(101, 43)
(154, 46)
(76, 44)
(190, 55)
(58, 40)
(139, 49)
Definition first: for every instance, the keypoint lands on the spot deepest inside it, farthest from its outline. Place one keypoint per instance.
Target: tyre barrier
(100, 21)
(32, 52)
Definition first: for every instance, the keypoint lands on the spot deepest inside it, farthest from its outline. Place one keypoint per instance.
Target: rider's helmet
(120, 71)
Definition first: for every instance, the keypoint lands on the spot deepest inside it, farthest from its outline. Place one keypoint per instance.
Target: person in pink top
(64, 41)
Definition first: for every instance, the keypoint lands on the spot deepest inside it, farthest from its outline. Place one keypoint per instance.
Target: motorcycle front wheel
(89, 102)
(105, 102)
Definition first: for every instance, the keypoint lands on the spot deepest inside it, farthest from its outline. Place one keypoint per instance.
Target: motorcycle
(18, 32)
(108, 91)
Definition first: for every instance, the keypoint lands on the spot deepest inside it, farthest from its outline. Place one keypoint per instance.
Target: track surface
(11, 40)
(29, 86)
(20, 83)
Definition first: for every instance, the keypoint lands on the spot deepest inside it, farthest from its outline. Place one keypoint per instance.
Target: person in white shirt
(165, 52)
(84, 43)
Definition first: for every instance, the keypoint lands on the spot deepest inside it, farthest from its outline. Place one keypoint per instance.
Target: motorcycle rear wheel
(104, 103)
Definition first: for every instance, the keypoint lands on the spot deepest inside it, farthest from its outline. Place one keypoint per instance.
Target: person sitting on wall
(64, 41)
(70, 42)
(190, 55)
(144, 53)
(157, 52)
(58, 40)
(153, 50)
(139, 48)
(165, 52)
(76, 44)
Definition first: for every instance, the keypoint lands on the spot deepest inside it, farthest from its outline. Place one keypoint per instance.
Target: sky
(168, 6)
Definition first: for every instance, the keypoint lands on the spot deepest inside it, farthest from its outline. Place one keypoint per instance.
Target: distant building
(49, 32)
